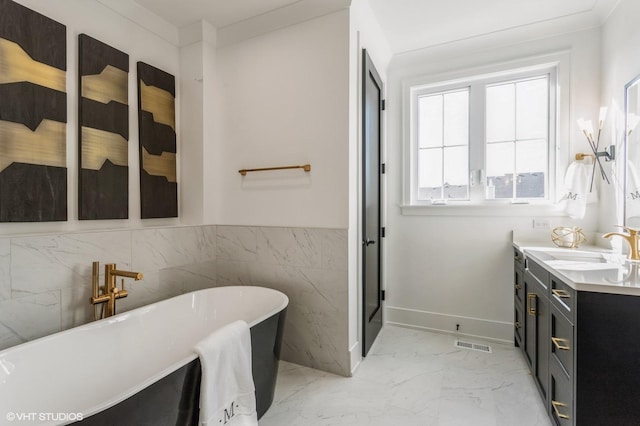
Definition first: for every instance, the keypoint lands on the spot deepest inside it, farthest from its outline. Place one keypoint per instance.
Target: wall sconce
(632, 122)
(587, 128)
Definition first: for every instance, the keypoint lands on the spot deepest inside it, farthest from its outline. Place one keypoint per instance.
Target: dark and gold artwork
(103, 117)
(157, 127)
(33, 116)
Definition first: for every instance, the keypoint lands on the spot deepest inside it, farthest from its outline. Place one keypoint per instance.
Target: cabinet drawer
(518, 324)
(518, 257)
(563, 297)
(561, 395)
(538, 272)
(518, 283)
(562, 348)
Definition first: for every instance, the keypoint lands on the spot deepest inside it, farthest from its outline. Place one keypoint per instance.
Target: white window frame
(557, 66)
(415, 94)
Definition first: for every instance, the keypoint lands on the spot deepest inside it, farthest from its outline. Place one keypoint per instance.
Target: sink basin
(582, 261)
(571, 254)
(579, 258)
(578, 265)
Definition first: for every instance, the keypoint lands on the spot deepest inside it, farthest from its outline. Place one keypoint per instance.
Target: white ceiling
(414, 24)
(219, 13)
(407, 24)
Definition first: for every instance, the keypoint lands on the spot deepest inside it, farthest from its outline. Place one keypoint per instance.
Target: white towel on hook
(576, 189)
(227, 391)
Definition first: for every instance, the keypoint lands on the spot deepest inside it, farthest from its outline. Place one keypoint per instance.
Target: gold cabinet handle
(530, 308)
(518, 286)
(557, 404)
(561, 344)
(563, 294)
(518, 324)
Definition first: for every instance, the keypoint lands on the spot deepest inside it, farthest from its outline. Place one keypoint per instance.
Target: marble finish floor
(413, 377)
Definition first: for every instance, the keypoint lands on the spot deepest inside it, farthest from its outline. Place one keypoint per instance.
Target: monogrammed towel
(576, 189)
(227, 391)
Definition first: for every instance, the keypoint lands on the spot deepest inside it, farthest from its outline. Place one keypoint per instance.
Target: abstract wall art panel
(33, 116)
(103, 117)
(157, 127)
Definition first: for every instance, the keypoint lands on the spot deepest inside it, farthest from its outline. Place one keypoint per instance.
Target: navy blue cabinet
(583, 348)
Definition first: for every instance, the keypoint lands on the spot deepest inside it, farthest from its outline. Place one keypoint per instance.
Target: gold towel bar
(306, 167)
(581, 156)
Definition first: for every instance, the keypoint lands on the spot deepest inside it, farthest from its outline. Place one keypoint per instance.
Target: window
(517, 138)
(443, 145)
(483, 139)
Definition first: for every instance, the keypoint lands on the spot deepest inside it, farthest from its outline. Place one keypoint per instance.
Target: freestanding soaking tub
(138, 367)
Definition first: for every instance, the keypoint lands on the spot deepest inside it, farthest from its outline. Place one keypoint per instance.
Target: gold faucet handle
(119, 293)
(631, 231)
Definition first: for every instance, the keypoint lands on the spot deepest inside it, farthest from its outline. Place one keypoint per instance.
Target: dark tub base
(174, 399)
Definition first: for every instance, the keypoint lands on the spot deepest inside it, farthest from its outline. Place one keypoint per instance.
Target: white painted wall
(96, 20)
(192, 108)
(283, 99)
(292, 96)
(446, 270)
(620, 64)
(197, 64)
(288, 97)
(212, 199)
(365, 33)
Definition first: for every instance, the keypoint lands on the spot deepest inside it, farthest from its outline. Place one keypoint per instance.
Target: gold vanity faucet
(110, 290)
(632, 238)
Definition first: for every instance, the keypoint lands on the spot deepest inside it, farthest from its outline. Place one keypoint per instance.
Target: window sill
(495, 210)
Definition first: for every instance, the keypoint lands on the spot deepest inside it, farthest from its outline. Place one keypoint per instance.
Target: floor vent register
(473, 346)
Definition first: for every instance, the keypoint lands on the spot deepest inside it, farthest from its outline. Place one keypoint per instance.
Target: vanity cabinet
(562, 353)
(607, 359)
(583, 349)
(537, 340)
(518, 294)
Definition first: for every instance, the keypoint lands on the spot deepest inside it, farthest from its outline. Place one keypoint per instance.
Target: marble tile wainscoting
(310, 266)
(45, 280)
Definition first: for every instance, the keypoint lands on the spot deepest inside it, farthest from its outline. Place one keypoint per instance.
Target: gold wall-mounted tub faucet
(109, 293)
(632, 237)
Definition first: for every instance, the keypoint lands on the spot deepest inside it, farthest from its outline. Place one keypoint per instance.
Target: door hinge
(383, 105)
(383, 294)
(383, 232)
(383, 168)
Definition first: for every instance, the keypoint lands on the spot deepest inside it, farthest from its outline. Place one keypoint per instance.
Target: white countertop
(588, 268)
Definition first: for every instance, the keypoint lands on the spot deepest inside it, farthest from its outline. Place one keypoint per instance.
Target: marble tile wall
(45, 281)
(310, 267)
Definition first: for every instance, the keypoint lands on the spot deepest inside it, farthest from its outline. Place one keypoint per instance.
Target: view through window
(508, 152)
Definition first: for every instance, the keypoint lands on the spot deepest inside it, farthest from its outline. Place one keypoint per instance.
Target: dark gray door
(371, 167)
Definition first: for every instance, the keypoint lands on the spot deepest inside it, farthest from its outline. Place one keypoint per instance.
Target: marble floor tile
(412, 377)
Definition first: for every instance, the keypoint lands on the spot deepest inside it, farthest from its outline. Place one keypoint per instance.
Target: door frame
(369, 67)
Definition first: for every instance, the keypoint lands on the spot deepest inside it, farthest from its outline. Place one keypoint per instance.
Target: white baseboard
(355, 353)
(496, 331)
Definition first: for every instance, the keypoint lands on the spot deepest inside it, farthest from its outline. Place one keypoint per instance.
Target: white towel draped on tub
(227, 391)
(576, 189)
